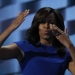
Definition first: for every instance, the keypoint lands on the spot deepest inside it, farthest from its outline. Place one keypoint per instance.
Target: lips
(46, 31)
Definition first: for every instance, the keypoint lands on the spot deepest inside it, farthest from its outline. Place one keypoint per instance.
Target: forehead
(50, 17)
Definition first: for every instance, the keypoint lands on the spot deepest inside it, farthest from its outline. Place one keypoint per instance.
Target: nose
(46, 25)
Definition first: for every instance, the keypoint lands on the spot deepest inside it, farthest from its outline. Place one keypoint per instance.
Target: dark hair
(33, 33)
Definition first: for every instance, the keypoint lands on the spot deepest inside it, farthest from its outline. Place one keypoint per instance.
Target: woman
(47, 48)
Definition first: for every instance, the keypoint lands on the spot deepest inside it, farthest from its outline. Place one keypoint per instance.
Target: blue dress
(42, 60)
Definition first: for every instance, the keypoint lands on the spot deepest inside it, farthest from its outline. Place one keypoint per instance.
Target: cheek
(40, 29)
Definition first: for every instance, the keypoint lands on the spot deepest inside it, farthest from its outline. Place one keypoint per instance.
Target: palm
(61, 36)
(20, 18)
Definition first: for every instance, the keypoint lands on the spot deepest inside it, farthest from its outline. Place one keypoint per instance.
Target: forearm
(71, 49)
(17, 22)
(5, 35)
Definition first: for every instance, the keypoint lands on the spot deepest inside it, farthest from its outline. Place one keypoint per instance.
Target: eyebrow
(50, 20)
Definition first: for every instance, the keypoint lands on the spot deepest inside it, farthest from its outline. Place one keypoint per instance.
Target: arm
(64, 39)
(71, 67)
(11, 51)
(17, 22)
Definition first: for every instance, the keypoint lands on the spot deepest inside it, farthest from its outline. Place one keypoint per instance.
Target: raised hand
(62, 36)
(20, 18)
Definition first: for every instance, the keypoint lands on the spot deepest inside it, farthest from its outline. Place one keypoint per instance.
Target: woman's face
(45, 27)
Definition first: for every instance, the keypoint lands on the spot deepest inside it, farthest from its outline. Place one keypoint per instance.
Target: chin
(47, 37)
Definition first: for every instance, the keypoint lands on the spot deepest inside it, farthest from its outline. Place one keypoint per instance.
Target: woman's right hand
(17, 22)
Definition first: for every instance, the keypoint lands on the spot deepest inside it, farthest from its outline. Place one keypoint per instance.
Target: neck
(46, 42)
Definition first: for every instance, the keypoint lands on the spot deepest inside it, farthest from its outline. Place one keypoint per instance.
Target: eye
(42, 22)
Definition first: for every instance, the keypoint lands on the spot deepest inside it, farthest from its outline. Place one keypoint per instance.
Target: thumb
(65, 30)
(19, 13)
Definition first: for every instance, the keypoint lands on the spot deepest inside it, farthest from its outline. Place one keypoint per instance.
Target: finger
(65, 30)
(56, 28)
(64, 33)
(21, 21)
(51, 27)
(54, 31)
(25, 13)
(19, 13)
(22, 16)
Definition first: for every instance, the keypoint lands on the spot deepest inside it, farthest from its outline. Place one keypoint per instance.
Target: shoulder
(22, 42)
(24, 45)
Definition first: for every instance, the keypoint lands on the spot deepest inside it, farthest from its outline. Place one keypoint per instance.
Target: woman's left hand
(62, 36)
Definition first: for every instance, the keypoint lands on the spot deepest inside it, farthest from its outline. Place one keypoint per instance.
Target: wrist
(70, 46)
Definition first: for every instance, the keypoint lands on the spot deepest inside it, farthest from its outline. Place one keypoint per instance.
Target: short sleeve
(23, 45)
